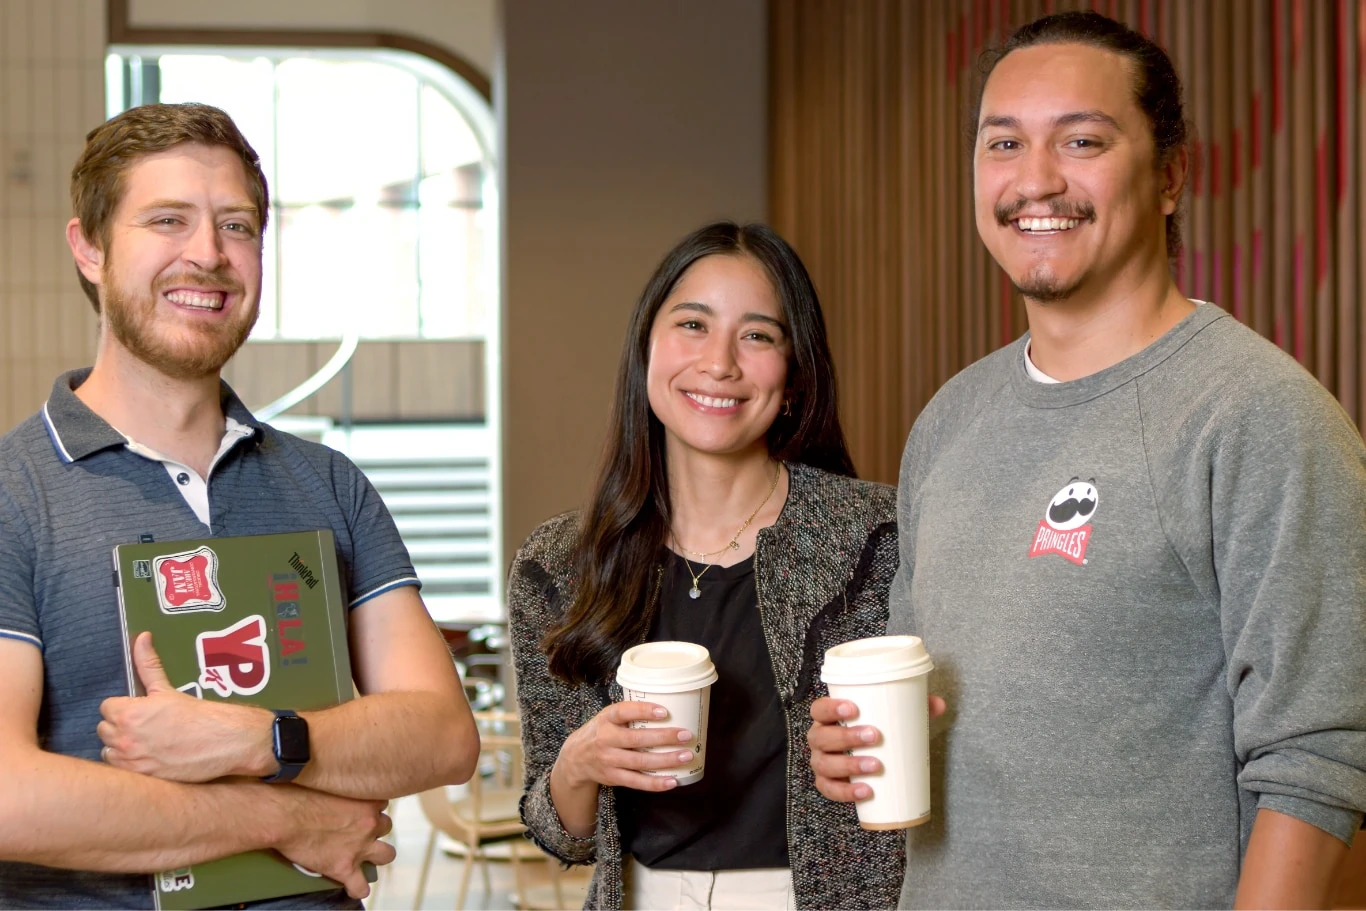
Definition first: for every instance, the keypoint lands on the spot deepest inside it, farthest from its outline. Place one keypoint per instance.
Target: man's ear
(89, 258)
(1174, 174)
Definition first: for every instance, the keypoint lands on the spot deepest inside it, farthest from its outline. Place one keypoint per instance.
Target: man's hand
(830, 742)
(175, 736)
(333, 835)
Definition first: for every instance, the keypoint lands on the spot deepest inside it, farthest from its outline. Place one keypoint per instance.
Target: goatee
(133, 321)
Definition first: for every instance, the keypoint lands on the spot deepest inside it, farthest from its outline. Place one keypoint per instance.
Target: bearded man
(102, 789)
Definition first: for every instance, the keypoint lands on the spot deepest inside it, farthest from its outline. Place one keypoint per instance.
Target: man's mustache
(1057, 208)
(203, 281)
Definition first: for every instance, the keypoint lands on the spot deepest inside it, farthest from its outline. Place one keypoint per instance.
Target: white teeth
(1047, 224)
(711, 402)
(198, 300)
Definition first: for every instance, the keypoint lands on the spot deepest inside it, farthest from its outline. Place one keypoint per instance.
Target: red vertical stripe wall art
(871, 180)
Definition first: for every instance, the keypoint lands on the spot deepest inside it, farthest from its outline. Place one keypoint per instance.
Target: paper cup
(886, 678)
(678, 676)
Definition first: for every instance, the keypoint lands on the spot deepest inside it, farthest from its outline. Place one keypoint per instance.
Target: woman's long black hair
(624, 529)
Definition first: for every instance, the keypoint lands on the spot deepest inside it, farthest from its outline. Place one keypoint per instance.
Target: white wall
(463, 26)
(627, 124)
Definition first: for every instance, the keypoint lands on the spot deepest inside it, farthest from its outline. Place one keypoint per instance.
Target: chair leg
(517, 874)
(426, 868)
(484, 871)
(465, 877)
(554, 866)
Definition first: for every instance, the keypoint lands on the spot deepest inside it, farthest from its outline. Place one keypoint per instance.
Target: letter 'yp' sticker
(236, 660)
(188, 582)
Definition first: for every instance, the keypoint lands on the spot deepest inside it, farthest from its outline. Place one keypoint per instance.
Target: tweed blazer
(822, 572)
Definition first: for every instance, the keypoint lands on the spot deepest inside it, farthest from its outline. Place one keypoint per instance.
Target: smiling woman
(726, 515)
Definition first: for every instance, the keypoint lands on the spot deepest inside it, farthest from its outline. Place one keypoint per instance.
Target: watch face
(291, 740)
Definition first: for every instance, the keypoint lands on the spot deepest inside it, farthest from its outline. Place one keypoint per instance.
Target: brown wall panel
(871, 180)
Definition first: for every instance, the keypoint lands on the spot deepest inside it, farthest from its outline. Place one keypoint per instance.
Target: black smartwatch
(291, 745)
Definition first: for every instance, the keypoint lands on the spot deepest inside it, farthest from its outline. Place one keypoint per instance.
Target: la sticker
(188, 582)
(235, 661)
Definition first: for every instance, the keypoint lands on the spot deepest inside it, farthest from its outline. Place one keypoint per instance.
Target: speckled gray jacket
(822, 572)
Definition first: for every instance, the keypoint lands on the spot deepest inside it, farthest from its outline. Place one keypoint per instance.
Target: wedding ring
(104, 754)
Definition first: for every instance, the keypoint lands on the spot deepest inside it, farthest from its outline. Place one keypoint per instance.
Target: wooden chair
(487, 813)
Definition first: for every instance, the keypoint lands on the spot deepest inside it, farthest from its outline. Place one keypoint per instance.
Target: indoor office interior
(468, 196)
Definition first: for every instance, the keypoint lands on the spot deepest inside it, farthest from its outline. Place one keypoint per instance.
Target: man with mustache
(101, 789)
(1160, 702)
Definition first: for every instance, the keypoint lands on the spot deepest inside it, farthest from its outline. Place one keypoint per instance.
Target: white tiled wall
(51, 95)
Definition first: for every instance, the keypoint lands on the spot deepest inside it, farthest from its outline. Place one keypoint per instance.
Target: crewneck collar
(1074, 392)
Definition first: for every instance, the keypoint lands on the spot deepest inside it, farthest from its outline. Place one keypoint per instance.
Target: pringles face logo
(1065, 529)
(188, 582)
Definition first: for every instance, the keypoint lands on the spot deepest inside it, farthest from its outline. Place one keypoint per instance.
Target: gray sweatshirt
(1145, 595)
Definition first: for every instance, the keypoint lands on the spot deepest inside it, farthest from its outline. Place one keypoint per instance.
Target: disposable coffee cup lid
(878, 660)
(666, 667)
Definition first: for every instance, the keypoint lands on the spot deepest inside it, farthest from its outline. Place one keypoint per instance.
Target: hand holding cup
(833, 734)
(610, 749)
(883, 679)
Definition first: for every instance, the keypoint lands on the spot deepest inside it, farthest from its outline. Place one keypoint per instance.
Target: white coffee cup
(885, 677)
(678, 676)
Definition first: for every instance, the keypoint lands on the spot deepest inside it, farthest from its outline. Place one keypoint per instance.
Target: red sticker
(188, 582)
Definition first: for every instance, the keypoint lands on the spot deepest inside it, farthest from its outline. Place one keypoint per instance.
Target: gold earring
(787, 408)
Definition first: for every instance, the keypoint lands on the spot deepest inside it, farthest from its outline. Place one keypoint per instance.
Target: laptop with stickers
(259, 619)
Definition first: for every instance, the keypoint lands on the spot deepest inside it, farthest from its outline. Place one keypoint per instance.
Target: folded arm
(64, 812)
(410, 730)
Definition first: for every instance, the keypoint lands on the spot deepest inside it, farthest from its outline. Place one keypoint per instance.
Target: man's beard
(1040, 284)
(133, 321)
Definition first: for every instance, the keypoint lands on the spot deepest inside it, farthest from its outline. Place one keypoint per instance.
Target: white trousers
(645, 889)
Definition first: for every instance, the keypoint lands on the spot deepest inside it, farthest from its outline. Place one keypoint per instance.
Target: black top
(736, 817)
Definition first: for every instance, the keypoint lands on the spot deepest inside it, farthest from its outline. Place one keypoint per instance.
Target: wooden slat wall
(872, 181)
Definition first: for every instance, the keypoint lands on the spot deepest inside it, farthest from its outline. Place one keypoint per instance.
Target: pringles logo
(1065, 529)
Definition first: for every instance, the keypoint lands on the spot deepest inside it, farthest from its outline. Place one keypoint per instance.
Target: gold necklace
(734, 542)
(696, 591)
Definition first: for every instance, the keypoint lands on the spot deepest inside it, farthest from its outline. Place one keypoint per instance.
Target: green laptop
(259, 619)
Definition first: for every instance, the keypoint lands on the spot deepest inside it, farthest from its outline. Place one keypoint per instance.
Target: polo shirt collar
(77, 432)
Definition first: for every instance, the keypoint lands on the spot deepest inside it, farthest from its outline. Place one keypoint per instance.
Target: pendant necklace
(696, 591)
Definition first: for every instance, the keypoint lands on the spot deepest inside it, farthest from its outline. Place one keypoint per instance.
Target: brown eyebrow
(699, 307)
(177, 205)
(1062, 120)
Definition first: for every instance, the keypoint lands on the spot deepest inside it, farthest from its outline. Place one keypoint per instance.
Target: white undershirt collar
(1035, 373)
(192, 487)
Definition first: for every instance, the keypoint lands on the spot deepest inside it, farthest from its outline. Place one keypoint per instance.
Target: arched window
(382, 178)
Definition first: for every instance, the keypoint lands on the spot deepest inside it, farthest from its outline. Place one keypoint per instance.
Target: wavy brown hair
(624, 529)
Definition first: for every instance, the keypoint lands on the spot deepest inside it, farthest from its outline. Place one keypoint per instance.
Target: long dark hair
(624, 529)
(1157, 88)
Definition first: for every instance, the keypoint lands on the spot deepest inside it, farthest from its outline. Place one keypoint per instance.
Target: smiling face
(718, 357)
(180, 281)
(1069, 197)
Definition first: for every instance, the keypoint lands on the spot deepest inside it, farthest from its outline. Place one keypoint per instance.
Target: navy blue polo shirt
(71, 488)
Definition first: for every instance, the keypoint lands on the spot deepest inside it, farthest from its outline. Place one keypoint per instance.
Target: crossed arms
(170, 796)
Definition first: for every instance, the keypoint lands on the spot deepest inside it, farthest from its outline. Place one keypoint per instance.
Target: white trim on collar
(56, 437)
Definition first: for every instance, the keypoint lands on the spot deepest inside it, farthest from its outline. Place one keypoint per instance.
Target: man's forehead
(188, 168)
(1046, 82)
